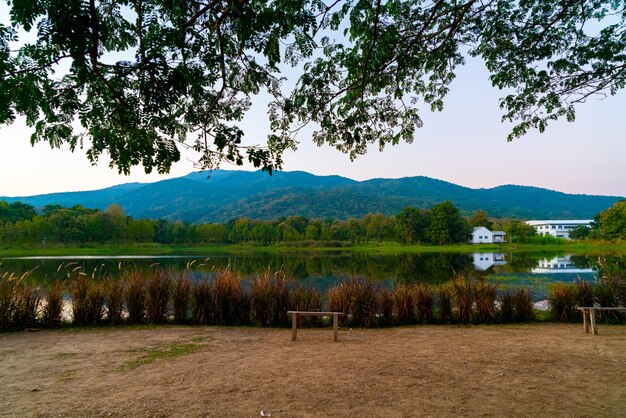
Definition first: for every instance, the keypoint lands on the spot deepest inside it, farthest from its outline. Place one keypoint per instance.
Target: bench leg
(336, 328)
(594, 326)
(586, 320)
(294, 326)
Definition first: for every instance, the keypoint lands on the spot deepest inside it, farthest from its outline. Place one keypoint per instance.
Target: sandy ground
(524, 370)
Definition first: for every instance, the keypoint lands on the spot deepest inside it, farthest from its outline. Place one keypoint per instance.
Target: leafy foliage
(146, 78)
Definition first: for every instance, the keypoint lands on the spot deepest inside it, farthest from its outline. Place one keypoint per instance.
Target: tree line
(440, 225)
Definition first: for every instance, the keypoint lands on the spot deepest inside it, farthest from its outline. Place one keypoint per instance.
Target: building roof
(499, 233)
(560, 221)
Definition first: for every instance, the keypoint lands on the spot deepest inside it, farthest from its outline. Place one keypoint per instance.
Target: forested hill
(231, 194)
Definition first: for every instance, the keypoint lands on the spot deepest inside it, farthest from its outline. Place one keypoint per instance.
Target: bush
(307, 299)
(364, 303)
(94, 304)
(584, 294)
(80, 301)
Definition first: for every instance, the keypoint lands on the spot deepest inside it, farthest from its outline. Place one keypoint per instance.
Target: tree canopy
(143, 79)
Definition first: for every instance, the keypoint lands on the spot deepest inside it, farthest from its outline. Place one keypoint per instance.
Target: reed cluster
(160, 296)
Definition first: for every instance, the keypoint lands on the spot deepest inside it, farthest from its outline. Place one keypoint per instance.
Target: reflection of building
(558, 228)
(481, 235)
(558, 265)
(482, 261)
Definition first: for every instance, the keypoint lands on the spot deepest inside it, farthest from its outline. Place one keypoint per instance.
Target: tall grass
(181, 295)
(54, 304)
(270, 299)
(444, 293)
(306, 298)
(403, 304)
(226, 293)
(134, 295)
(424, 302)
(94, 303)
(507, 305)
(386, 308)
(80, 303)
(157, 296)
(463, 296)
(562, 300)
(524, 309)
(202, 295)
(364, 303)
(113, 292)
(485, 301)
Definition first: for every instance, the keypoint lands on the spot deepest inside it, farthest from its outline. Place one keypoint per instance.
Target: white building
(558, 228)
(481, 235)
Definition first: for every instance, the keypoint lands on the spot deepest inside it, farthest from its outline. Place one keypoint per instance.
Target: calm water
(325, 270)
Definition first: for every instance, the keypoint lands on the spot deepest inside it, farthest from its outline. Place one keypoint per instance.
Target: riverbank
(510, 370)
(304, 247)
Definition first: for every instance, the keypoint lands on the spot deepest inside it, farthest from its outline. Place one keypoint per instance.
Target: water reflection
(484, 261)
(559, 265)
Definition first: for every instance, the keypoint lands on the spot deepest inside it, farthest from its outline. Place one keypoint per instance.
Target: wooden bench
(589, 316)
(296, 314)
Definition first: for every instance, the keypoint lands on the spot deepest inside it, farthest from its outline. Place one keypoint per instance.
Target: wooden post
(336, 327)
(594, 326)
(586, 320)
(294, 326)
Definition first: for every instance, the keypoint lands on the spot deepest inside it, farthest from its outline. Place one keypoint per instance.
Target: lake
(324, 270)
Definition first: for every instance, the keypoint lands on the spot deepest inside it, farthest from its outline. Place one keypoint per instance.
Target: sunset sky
(465, 144)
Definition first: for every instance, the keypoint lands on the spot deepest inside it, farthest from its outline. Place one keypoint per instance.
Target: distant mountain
(224, 195)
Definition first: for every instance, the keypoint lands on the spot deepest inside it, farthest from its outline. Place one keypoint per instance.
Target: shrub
(485, 294)
(445, 303)
(181, 293)
(135, 296)
(604, 295)
(524, 309)
(54, 304)
(562, 300)
(424, 301)
(8, 300)
(339, 298)
(404, 305)
(157, 296)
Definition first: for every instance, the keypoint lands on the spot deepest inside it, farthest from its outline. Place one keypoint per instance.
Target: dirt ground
(519, 370)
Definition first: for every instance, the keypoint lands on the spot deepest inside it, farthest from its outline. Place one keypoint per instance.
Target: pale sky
(465, 144)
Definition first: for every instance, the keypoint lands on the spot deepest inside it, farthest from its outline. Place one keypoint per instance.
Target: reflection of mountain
(558, 265)
(483, 261)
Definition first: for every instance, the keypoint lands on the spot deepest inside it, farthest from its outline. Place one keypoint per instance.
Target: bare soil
(513, 370)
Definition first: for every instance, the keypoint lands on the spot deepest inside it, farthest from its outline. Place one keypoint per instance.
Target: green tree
(612, 221)
(411, 224)
(146, 78)
(479, 218)
(580, 232)
(518, 231)
(446, 225)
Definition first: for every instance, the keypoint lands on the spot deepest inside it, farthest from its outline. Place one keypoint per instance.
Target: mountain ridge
(226, 194)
